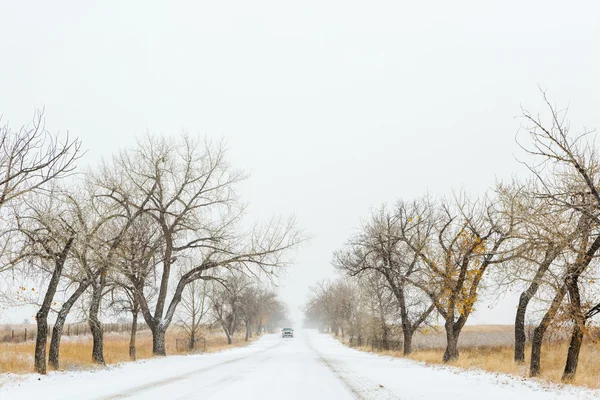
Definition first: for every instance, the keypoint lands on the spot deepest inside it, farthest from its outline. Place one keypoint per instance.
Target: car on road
(287, 332)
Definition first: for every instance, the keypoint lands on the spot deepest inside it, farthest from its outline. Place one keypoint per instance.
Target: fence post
(25, 335)
(12, 336)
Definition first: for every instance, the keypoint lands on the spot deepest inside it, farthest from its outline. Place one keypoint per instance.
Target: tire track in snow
(361, 387)
(216, 386)
(142, 388)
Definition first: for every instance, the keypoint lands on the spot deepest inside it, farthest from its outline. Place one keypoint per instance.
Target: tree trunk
(158, 341)
(578, 328)
(536, 350)
(259, 328)
(525, 298)
(384, 332)
(96, 326)
(247, 332)
(40, 341)
(408, 336)
(407, 329)
(451, 352)
(538, 333)
(573, 354)
(53, 357)
(520, 337)
(54, 354)
(42, 314)
(98, 341)
(192, 339)
(132, 353)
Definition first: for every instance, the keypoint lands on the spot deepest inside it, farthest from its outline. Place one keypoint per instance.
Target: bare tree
(252, 298)
(102, 228)
(389, 245)
(81, 284)
(136, 258)
(470, 236)
(226, 298)
(544, 232)
(195, 306)
(187, 189)
(567, 168)
(275, 316)
(32, 157)
(332, 302)
(353, 306)
(48, 237)
(267, 309)
(382, 306)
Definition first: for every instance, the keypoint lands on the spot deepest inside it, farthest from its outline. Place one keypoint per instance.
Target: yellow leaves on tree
(456, 285)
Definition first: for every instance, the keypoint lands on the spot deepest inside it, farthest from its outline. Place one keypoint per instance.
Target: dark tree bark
(158, 326)
(192, 339)
(408, 327)
(42, 314)
(578, 327)
(40, 342)
(54, 354)
(540, 330)
(134, 322)
(452, 334)
(573, 354)
(575, 310)
(408, 336)
(451, 353)
(158, 341)
(525, 298)
(94, 322)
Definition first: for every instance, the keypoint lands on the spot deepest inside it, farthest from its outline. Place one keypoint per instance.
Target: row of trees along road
(134, 234)
(429, 258)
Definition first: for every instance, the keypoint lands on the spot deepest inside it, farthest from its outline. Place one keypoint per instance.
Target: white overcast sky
(333, 107)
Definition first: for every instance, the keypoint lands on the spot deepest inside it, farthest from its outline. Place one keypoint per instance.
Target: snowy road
(309, 366)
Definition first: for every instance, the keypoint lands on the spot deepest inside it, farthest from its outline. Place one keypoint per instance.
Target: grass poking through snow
(76, 351)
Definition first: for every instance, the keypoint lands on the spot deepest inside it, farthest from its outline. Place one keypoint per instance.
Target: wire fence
(186, 344)
(376, 344)
(21, 334)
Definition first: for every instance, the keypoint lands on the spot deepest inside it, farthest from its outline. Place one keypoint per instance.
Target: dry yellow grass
(500, 359)
(75, 352)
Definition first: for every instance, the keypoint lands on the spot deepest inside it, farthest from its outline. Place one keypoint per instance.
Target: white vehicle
(287, 332)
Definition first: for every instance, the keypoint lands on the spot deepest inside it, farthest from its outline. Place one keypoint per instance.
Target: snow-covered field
(309, 366)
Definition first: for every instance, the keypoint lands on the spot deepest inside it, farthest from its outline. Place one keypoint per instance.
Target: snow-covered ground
(309, 366)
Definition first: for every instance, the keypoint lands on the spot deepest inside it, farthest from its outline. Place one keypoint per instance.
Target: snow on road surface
(309, 366)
